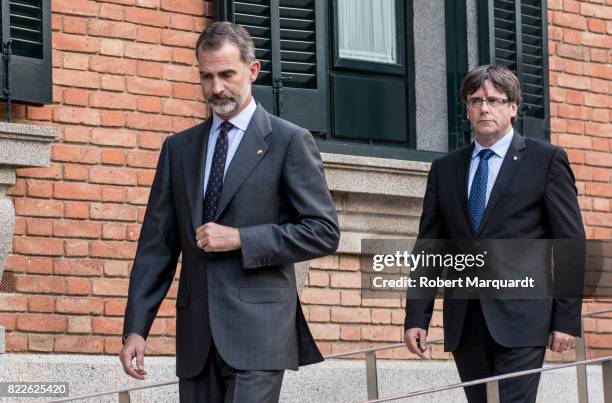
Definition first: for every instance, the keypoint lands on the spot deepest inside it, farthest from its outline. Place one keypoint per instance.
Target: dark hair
(217, 33)
(500, 77)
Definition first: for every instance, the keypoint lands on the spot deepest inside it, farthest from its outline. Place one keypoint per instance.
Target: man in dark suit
(502, 186)
(242, 196)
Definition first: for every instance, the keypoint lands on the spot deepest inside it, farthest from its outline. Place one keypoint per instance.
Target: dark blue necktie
(215, 177)
(478, 192)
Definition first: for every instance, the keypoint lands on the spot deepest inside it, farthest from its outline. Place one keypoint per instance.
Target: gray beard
(225, 108)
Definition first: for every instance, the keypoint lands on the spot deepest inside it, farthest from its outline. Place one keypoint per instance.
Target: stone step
(331, 381)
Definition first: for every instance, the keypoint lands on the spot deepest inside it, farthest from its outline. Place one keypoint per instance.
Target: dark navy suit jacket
(534, 197)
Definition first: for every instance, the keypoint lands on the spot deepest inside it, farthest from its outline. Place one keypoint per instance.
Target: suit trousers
(478, 355)
(220, 383)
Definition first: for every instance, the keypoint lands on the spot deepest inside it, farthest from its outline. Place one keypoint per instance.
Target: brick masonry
(124, 78)
(580, 63)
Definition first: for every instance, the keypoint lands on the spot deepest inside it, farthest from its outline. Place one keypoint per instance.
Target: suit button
(209, 255)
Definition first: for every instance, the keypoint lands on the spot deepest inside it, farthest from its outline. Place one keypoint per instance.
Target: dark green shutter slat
(253, 21)
(304, 4)
(300, 57)
(250, 8)
(298, 35)
(298, 24)
(299, 13)
(298, 46)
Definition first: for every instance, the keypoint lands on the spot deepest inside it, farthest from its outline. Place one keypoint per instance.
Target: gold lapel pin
(259, 152)
(515, 158)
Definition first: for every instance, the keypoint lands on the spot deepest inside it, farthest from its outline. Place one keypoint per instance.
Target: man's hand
(559, 341)
(415, 339)
(134, 347)
(212, 237)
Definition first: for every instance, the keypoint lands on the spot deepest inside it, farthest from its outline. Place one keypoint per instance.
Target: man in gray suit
(242, 196)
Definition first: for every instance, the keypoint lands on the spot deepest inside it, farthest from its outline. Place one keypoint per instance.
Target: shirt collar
(241, 120)
(500, 148)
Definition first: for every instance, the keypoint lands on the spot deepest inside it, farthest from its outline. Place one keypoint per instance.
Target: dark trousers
(479, 356)
(220, 383)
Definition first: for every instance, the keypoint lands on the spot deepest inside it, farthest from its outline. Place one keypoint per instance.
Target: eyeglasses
(493, 102)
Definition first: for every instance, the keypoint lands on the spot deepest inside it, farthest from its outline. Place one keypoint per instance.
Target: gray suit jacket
(245, 301)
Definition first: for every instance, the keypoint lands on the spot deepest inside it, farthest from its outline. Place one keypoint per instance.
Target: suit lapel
(194, 161)
(463, 174)
(510, 164)
(251, 150)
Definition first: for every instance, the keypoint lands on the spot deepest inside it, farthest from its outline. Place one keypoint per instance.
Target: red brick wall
(124, 79)
(580, 43)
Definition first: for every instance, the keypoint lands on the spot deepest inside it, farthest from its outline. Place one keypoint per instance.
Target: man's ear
(254, 69)
(514, 107)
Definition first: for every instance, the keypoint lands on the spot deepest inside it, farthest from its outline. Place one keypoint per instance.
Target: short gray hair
(217, 33)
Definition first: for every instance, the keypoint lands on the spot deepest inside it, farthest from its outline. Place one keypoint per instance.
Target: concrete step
(331, 381)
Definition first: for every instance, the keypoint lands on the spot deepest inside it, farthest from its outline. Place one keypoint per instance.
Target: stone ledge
(18, 130)
(369, 175)
(375, 197)
(24, 146)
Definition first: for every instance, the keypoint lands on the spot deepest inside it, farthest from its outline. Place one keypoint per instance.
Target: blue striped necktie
(215, 177)
(478, 191)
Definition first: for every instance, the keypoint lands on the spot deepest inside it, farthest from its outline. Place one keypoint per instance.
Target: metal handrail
(604, 360)
(371, 370)
(375, 349)
(595, 313)
(122, 392)
(434, 341)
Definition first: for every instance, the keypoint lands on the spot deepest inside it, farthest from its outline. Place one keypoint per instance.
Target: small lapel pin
(515, 158)
(259, 152)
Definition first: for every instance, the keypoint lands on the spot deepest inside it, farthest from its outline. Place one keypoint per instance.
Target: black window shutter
(290, 43)
(456, 68)
(514, 33)
(27, 25)
(255, 16)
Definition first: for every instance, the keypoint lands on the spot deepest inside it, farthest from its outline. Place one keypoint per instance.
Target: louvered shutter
(298, 44)
(289, 38)
(455, 16)
(254, 15)
(514, 34)
(27, 24)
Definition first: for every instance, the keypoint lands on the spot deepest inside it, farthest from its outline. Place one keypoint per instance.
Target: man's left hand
(212, 237)
(559, 341)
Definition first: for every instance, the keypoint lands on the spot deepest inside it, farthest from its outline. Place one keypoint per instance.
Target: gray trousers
(220, 383)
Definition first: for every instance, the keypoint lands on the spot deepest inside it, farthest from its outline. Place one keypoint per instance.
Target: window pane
(367, 31)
